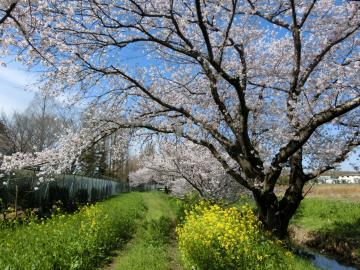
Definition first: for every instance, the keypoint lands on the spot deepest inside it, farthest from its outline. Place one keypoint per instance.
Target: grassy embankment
(329, 225)
(81, 240)
(328, 220)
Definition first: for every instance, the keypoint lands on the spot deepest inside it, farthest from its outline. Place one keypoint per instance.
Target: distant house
(340, 178)
(349, 179)
(327, 179)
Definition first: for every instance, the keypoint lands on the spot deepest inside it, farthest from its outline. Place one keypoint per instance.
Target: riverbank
(331, 227)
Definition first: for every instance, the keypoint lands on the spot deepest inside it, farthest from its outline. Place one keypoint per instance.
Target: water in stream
(322, 261)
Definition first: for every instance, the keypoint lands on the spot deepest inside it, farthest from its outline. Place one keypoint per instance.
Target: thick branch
(8, 12)
(304, 133)
(204, 30)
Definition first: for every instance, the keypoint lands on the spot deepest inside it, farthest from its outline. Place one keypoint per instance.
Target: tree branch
(8, 12)
(304, 133)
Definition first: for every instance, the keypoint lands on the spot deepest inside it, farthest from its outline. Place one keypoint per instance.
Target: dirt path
(140, 253)
(175, 260)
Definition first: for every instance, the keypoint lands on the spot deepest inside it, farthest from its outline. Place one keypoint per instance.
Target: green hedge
(78, 241)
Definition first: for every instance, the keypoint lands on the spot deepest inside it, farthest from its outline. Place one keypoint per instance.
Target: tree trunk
(274, 214)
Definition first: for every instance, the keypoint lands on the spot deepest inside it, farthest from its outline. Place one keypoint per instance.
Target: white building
(343, 179)
(327, 179)
(349, 179)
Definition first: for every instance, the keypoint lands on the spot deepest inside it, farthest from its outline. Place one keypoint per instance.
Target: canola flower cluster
(214, 237)
(71, 241)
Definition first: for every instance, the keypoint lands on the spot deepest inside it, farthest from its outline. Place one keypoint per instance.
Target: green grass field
(329, 215)
(332, 226)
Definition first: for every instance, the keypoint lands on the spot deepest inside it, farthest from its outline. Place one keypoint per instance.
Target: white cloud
(17, 88)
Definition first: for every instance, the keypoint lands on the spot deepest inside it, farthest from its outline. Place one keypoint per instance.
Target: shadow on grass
(347, 230)
(329, 226)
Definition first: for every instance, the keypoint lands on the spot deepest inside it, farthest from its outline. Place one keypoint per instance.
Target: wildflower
(288, 254)
(226, 236)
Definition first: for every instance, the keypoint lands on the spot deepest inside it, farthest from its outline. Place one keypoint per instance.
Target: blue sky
(16, 88)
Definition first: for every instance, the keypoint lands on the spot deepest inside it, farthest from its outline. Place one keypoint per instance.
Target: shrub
(213, 237)
(78, 241)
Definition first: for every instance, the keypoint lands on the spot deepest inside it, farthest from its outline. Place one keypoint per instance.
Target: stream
(322, 261)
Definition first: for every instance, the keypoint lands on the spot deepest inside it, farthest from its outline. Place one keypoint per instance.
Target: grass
(324, 215)
(81, 240)
(154, 246)
(158, 205)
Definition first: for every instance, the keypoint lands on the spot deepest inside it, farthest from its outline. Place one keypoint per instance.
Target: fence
(67, 190)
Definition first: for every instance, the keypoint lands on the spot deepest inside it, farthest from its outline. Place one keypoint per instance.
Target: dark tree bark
(276, 214)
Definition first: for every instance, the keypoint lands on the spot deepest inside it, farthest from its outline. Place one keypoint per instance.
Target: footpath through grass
(85, 239)
(154, 246)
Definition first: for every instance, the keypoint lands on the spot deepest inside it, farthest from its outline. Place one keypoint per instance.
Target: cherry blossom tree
(6, 8)
(184, 167)
(263, 85)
